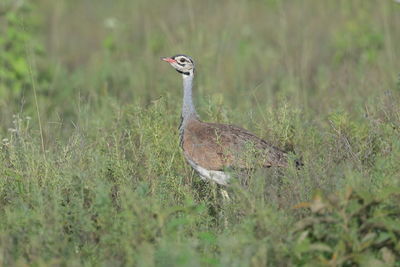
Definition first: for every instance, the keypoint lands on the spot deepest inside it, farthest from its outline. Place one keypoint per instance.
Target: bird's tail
(299, 163)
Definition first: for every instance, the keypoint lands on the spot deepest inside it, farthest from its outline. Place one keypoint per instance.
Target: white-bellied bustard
(212, 148)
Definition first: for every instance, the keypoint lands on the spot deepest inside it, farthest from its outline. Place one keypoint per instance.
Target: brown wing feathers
(218, 146)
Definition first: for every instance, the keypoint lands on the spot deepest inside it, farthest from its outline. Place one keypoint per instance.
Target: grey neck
(188, 109)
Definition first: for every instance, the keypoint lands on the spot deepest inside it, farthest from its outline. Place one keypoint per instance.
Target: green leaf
(320, 247)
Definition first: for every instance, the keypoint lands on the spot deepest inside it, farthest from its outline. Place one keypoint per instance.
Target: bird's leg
(225, 195)
(225, 199)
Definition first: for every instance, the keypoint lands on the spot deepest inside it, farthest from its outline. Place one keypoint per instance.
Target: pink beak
(168, 59)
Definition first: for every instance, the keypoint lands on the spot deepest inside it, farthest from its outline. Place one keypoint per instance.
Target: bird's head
(181, 63)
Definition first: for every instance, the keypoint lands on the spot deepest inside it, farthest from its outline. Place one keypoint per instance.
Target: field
(91, 172)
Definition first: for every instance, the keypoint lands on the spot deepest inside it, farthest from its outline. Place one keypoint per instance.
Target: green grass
(101, 179)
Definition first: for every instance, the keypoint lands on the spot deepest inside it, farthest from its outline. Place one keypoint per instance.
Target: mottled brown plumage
(220, 146)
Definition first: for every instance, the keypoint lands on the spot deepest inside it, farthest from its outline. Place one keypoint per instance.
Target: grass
(100, 178)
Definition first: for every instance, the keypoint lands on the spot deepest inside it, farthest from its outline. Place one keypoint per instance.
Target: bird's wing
(219, 146)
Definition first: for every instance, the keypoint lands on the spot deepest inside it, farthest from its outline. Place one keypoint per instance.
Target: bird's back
(219, 146)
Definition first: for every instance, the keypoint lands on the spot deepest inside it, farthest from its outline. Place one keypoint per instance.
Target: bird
(213, 150)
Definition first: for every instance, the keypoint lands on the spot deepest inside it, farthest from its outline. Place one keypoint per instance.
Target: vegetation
(91, 172)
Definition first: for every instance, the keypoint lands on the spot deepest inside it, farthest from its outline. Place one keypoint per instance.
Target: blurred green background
(317, 56)
(90, 168)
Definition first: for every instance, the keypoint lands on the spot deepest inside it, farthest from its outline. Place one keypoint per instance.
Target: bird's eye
(182, 60)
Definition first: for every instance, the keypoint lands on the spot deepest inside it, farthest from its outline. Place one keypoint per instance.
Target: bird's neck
(188, 109)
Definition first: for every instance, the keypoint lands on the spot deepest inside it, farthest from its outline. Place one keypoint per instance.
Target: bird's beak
(168, 59)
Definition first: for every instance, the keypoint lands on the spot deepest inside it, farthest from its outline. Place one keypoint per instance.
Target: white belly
(219, 177)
